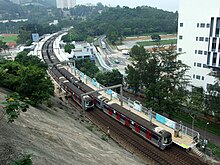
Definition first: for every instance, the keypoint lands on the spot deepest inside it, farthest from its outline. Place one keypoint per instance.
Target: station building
(199, 40)
(82, 50)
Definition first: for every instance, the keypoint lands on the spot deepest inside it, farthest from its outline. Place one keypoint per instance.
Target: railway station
(181, 135)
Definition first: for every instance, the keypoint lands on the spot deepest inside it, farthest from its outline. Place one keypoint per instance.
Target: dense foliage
(25, 32)
(27, 78)
(119, 22)
(68, 48)
(105, 78)
(88, 67)
(160, 75)
(14, 106)
(3, 46)
(213, 98)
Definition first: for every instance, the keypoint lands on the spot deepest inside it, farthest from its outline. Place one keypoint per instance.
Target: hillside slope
(56, 136)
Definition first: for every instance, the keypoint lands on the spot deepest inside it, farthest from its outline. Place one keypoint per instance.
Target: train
(75, 88)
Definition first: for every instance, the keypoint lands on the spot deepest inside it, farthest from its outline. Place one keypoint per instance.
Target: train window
(154, 136)
(97, 101)
(143, 129)
(123, 116)
(166, 140)
(106, 107)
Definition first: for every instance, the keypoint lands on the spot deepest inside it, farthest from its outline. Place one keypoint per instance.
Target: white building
(82, 50)
(199, 39)
(65, 3)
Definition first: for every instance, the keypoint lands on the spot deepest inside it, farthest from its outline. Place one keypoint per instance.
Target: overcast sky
(170, 5)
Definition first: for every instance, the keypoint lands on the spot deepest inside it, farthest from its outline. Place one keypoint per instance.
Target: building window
(211, 27)
(204, 66)
(201, 38)
(181, 24)
(202, 25)
(207, 25)
(180, 49)
(197, 24)
(207, 39)
(180, 37)
(195, 51)
(214, 58)
(199, 65)
(202, 77)
(193, 76)
(200, 52)
(214, 44)
(217, 30)
(208, 58)
(197, 38)
(194, 63)
(219, 46)
(205, 52)
(198, 77)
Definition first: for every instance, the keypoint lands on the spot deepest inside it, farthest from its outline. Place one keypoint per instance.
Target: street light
(205, 140)
(181, 128)
(205, 132)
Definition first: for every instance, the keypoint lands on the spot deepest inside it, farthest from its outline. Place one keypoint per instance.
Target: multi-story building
(199, 39)
(65, 3)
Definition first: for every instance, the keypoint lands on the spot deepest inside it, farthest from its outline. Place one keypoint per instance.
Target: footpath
(210, 136)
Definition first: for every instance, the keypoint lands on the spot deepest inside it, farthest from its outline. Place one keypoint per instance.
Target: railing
(134, 104)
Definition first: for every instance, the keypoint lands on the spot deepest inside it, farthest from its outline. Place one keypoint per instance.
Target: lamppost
(181, 128)
(205, 142)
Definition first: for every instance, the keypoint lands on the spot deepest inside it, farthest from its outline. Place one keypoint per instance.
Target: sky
(169, 5)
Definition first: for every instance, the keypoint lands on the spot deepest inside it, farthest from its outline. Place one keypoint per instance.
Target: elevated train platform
(181, 135)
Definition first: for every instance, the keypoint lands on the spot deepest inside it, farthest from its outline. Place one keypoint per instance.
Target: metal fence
(134, 104)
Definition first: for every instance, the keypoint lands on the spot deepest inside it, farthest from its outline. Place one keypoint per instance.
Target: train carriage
(160, 138)
(75, 88)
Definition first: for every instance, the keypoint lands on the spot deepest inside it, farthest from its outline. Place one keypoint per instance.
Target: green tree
(23, 59)
(24, 36)
(88, 67)
(132, 78)
(28, 81)
(161, 75)
(34, 84)
(195, 103)
(212, 100)
(24, 159)
(14, 106)
(3, 46)
(68, 48)
(110, 78)
(112, 34)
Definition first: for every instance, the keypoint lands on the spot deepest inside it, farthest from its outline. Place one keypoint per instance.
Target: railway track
(122, 134)
(118, 132)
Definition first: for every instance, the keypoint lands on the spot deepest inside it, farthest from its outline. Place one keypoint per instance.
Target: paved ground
(211, 137)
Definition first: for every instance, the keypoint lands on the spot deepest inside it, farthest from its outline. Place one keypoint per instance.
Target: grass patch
(161, 42)
(104, 137)
(200, 123)
(8, 39)
(90, 128)
(215, 149)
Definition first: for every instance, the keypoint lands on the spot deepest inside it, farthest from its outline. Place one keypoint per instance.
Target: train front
(89, 104)
(166, 139)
